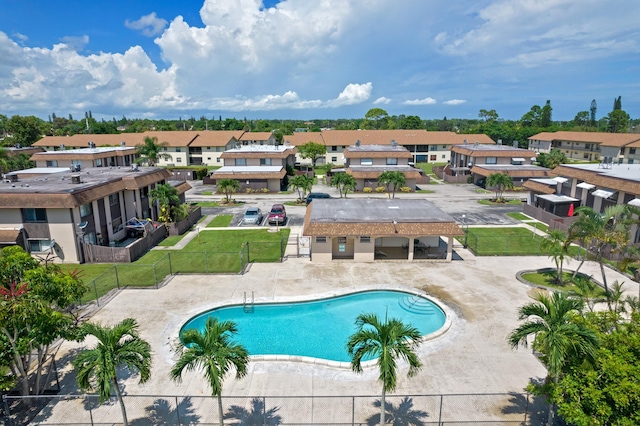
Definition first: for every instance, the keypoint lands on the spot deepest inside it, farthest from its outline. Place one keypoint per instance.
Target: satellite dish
(83, 225)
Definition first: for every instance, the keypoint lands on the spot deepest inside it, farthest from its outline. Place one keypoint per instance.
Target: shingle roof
(623, 177)
(539, 187)
(605, 139)
(216, 137)
(300, 138)
(403, 137)
(172, 137)
(82, 140)
(255, 136)
(492, 151)
(377, 217)
(9, 235)
(511, 170)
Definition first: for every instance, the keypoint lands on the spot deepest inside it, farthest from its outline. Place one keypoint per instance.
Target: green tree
(411, 122)
(344, 182)
(490, 115)
(151, 151)
(302, 184)
(169, 203)
(312, 151)
(500, 182)
(228, 187)
(213, 351)
(558, 335)
(545, 116)
(392, 179)
(618, 121)
(376, 115)
(25, 130)
(35, 301)
(554, 244)
(592, 112)
(581, 119)
(617, 103)
(389, 341)
(118, 346)
(551, 160)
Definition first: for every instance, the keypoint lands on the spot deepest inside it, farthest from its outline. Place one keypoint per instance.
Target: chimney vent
(75, 179)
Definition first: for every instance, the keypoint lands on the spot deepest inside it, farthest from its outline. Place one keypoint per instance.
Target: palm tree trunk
(383, 405)
(220, 409)
(575, 273)
(125, 422)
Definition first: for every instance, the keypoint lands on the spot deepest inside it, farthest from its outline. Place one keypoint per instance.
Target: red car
(277, 215)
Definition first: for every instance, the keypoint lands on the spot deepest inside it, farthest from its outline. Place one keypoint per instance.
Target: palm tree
(213, 351)
(501, 182)
(394, 179)
(388, 341)
(302, 184)
(167, 198)
(150, 151)
(118, 346)
(606, 230)
(558, 336)
(344, 182)
(554, 243)
(228, 187)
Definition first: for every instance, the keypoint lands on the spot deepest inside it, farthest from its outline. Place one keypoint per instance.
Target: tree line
(25, 130)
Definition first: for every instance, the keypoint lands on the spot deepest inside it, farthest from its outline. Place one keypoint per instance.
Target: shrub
(367, 190)
(201, 172)
(470, 179)
(405, 189)
(381, 189)
(265, 190)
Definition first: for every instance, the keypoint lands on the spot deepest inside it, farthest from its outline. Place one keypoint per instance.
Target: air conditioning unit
(76, 179)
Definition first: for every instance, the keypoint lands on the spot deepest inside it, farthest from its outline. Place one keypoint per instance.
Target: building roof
(84, 153)
(377, 151)
(172, 137)
(605, 139)
(377, 217)
(373, 172)
(525, 170)
(13, 151)
(9, 236)
(82, 140)
(260, 151)
(486, 150)
(542, 186)
(402, 137)
(300, 138)
(216, 137)
(249, 172)
(621, 177)
(57, 189)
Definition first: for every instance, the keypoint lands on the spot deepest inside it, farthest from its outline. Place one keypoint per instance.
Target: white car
(253, 216)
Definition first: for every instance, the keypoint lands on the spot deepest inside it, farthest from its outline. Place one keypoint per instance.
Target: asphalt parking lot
(455, 199)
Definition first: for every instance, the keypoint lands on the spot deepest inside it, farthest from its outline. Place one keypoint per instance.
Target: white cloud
(352, 94)
(76, 43)
(455, 102)
(150, 25)
(382, 101)
(425, 101)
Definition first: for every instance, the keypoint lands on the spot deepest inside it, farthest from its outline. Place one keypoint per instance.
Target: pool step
(417, 305)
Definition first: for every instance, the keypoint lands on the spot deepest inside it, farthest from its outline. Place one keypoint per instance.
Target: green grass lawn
(548, 279)
(508, 241)
(492, 203)
(207, 193)
(217, 204)
(171, 241)
(518, 216)
(425, 191)
(220, 221)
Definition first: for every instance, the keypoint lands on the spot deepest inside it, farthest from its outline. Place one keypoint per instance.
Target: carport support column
(411, 249)
(450, 248)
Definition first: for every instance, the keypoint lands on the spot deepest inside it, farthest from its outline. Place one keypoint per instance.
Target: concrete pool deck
(481, 294)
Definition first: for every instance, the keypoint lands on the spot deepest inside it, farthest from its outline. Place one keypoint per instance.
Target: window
(321, 239)
(177, 149)
(444, 147)
(443, 156)
(113, 199)
(491, 160)
(334, 158)
(365, 240)
(632, 151)
(334, 148)
(116, 224)
(86, 210)
(98, 162)
(366, 162)
(52, 163)
(587, 146)
(178, 160)
(35, 215)
(433, 158)
(164, 148)
(586, 156)
(392, 161)
(218, 160)
(39, 245)
(265, 161)
(630, 161)
(241, 162)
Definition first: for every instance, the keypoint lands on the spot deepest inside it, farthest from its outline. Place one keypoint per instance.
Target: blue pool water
(320, 328)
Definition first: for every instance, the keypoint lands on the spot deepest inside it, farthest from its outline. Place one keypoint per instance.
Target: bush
(367, 190)
(381, 189)
(470, 179)
(405, 189)
(248, 190)
(265, 190)
(201, 172)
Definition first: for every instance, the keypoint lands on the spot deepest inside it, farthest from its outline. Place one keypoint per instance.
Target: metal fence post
(7, 417)
(353, 411)
(155, 275)
(115, 268)
(440, 413)
(170, 268)
(95, 291)
(264, 411)
(206, 261)
(178, 411)
(248, 253)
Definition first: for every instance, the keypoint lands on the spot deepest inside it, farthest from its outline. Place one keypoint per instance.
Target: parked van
(313, 195)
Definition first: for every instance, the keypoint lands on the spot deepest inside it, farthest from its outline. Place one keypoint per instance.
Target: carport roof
(378, 217)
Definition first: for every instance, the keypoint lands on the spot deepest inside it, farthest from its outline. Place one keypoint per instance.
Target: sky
(301, 59)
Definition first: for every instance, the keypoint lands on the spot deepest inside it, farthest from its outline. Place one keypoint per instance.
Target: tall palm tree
(558, 336)
(228, 187)
(393, 179)
(151, 151)
(344, 182)
(212, 351)
(606, 230)
(167, 198)
(554, 243)
(388, 341)
(500, 182)
(118, 346)
(302, 184)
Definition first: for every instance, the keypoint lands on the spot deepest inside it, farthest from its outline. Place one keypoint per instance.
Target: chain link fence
(181, 262)
(444, 409)
(515, 245)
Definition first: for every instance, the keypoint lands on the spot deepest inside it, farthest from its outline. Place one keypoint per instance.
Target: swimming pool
(320, 328)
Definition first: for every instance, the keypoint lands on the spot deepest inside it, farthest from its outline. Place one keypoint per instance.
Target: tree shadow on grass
(257, 416)
(161, 412)
(533, 408)
(402, 415)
